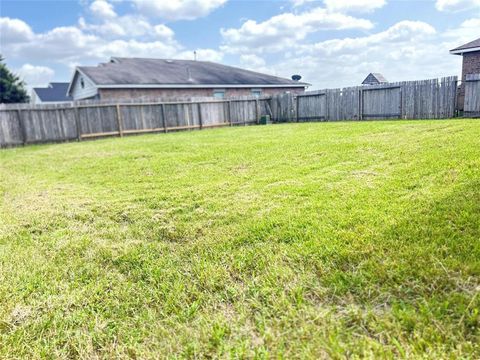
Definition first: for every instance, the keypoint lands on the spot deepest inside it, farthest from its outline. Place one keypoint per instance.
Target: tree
(12, 89)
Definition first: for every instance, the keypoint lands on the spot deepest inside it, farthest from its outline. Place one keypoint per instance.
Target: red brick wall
(471, 65)
(172, 94)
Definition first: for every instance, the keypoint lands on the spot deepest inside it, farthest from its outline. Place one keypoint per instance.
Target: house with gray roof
(54, 93)
(470, 53)
(374, 79)
(130, 78)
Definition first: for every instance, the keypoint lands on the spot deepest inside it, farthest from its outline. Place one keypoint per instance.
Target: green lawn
(320, 240)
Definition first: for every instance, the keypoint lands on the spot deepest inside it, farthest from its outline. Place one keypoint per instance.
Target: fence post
(326, 105)
(401, 102)
(22, 126)
(229, 112)
(77, 123)
(297, 101)
(360, 104)
(456, 110)
(200, 121)
(244, 118)
(119, 121)
(257, 111)
(164, 120)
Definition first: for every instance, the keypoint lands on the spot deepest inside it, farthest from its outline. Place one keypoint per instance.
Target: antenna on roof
(296, 77)
(195, 55)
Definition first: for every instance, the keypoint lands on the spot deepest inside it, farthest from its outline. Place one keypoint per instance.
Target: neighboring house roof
(468, 47)
(374, 78)
(152, 73)
(55, 92)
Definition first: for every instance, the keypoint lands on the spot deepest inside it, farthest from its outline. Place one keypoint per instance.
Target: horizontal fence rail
(426, 99)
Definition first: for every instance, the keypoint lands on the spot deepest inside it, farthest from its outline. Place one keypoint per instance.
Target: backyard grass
(320, 240)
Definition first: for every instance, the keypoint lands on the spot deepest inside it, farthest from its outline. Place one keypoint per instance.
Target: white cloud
(35, 75)
(400, 33)
(130, 48)
(102, 9)
(202, 55)
(71, 45)
(59, 43)
(354, 5)
(457, 5)
(407, 50)
(255, 63)
(297, 3)
(252, 61)
(468, 30)
(128, 26)
(164, 32)
(14, 31)
(178, 9)
(285, 29)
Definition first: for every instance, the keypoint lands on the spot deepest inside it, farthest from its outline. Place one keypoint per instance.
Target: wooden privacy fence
(39, 124)
(426, 99)
(472, 96)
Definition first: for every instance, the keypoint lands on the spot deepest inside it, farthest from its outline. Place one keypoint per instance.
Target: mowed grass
(326, 240)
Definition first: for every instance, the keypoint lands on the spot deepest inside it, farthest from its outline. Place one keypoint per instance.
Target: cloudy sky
(331, 43)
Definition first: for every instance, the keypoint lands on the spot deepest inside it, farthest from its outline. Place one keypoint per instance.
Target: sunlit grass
(301, 240)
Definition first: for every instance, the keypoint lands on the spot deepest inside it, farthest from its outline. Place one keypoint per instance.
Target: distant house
(471, 64)
(374, 79)
(55, 92)
(127, 78)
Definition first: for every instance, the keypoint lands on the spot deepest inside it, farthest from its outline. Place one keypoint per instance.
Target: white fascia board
(460, 52)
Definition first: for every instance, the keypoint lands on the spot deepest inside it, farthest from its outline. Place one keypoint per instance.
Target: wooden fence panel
(350, 103)
(472, 96)
(283, 108)
(429, 99)
(312, 107)
(101, 120)
(181, 116)
(214, 113)
(381, 103)
(265, 107)
(10, 128)
(243, 112)
(141, 117)
(49, 125)
(334, 112)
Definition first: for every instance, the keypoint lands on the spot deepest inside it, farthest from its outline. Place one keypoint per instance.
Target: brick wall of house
(174, 94)
(471, 65)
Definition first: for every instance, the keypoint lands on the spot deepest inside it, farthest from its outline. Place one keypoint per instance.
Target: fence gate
(472, 96)
(382, 103)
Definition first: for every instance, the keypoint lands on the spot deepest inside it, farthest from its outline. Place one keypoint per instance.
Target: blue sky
(331, 43)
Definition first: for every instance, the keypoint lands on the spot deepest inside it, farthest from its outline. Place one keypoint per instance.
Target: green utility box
(265, 120)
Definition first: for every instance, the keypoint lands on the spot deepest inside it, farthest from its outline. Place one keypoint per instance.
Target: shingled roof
(126, 72)
(55, 92)
(468, 47)
(374, 79)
